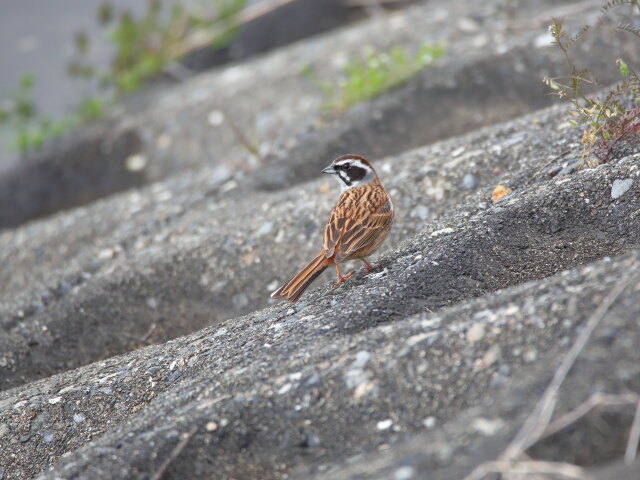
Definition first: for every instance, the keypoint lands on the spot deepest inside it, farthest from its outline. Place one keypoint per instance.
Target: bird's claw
(342, 279)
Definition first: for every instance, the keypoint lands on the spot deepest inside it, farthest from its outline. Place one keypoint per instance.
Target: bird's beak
(329, 169)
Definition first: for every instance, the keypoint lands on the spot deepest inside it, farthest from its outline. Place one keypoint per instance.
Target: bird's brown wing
(350, 229)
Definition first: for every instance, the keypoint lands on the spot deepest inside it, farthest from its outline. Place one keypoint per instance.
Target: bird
(357, 226)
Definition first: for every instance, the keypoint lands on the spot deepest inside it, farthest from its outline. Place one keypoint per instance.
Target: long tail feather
(295, 287)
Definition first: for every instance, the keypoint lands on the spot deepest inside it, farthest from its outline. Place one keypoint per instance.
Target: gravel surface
(137, 338)
(492, 70)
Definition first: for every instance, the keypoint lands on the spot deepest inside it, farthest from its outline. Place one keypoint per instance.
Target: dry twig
(528, 467)
(595, 400)
(538, 421)
(634, 438)
(174, 454)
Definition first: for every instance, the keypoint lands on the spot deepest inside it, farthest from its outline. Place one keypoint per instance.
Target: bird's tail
(295, 287)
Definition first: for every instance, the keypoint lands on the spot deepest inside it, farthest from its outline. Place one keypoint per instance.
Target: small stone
(468, 25)
(175, 375)
(215, 118)
(152, 303)
(457, 152)
(79, 418)
(487, 427)
(384, 424)
(136, 162)
(26, 438)
(404, 473)
(571, 166)
(362, 357)
(620, 187)
(444, 231)
(106, 253)
(265, 229)
(469, 181)
(4, 429)
(284, 389)
(312, 439)
(48, 437)
(220, 332)
(420, 211)
(530, 356)
(490, 357)
(429, 422)
(499, 193)
(211, 426)
(54, 400)
(475, 333)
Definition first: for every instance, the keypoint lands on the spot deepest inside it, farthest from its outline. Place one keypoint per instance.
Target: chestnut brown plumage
(357, 226)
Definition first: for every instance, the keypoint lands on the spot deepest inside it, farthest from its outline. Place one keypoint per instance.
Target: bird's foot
(342, 278)
(369, 266)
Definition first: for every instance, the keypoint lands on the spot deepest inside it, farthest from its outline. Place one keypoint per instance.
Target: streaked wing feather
(333, 233)
(360, 235)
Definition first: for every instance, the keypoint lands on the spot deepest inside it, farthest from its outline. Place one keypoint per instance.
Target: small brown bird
(358, 224)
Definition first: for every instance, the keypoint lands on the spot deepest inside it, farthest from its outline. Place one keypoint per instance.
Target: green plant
(144, 46)
(374, 73)
(607, 120)
(142, 49)
(21, 115)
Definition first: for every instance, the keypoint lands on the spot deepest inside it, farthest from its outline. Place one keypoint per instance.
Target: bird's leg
(342, 278)
(368, 267)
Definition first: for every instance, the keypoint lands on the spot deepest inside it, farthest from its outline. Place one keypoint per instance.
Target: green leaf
(624, 68)
(27, 81)
(105, 13)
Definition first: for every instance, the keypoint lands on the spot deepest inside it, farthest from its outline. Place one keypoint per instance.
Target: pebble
(404, 473)
(487, 427)
(429, 422)
(620, 187)
(284, 389)
(312, 439)
(215, 118)
(211, 426)
(136, 162)
(475, 333)
(469, 181)
(4, 429)
(265, 229)
(175, 375)
(220, 332)
(79, 418)
(362, 357)
(384, 424)
(420, 211)
(570, 167)
(457, 152)
(444, 231)
(530, 356)
(152, 303)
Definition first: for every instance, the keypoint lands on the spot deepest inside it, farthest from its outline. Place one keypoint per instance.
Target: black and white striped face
(351, 171)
